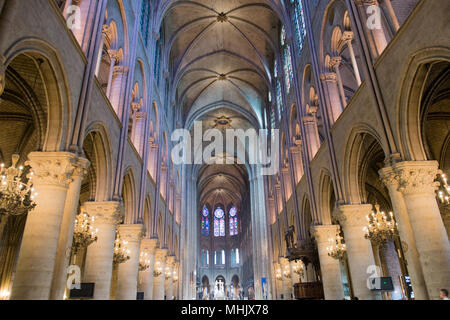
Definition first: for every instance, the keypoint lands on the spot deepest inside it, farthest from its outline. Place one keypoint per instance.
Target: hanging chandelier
(121, 253)
(299, 269)
(337, 249)
(443, 192)
(278, 274)
(287, 272)
(84, 233)
(158, 270)
(144, 261)
(175, 277)
(168, 273)
(16, 192)
(382, 227)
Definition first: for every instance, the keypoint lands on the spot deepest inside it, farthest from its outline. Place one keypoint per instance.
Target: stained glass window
(287, 60)
(205, 221)
(145, 21)
(219, 223)
(279, 99)
(299, 23)
(233, 221)
(275, 69)
(158, 49)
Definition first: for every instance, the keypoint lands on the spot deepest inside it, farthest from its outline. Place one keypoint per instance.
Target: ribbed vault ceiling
(221, 53)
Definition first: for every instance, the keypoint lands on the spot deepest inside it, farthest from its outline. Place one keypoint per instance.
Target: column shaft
(127, 280)
(330, 268)
(99, 257)
(36, 263)
(417, 183)
(406, 233)
(359, 250)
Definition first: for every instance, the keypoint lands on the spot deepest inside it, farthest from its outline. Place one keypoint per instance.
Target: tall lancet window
(233, 221)
(219, 222)
(299, 23)
(287, 60)
(205, 221)
(145, 21)
(279, 100)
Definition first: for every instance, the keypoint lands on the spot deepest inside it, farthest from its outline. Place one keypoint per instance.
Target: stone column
(330, 268)
(146, 277)
(118, 89)
(335, 63)
(297, 165)
(376, 32)
(312, 135)
(116, 56)
(335, 106)
(66, 234)
(129, 270)
(99, 257)
(406, 233)
(417, 183)
(392, 15)
(359, 250)
(160, 267)
(36, 263)
(168, 285)
(347, 37)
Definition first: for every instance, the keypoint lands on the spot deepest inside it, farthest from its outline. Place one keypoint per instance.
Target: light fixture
(381, 228)
(278, 274)
(287, 272)
(121, 253)
(16, 192)
(158, 270)
(84, 232)
(175, 277)
(298, 269)
(144, 261)
(168, 273)
(337, 249)
(443, 192)
(5, 294)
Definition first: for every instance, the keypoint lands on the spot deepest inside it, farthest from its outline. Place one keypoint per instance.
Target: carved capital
(120, 70)
(389, 178)
(348, 36)
(52, 168)
(81, 168)
(117, 55)
(105, 212)
(149, 246)
(131, 232)
(309, 120)
(353, 215)
(328, 77)
(335, 62)
(160, 255)
(322, 233)
(170, 261)
(416, 177)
